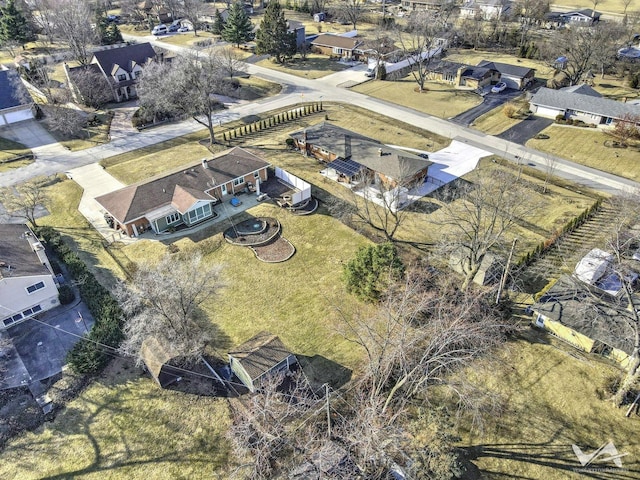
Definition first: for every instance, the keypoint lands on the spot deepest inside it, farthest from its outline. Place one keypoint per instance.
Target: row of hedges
(272, 121)
(573, 121)
(569, 227)
(89, 356)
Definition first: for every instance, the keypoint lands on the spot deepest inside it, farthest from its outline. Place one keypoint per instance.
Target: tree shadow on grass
(320, 370)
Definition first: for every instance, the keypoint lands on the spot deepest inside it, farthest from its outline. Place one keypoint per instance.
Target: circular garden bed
(253, 232)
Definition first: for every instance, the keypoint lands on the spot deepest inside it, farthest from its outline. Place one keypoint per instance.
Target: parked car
(499, 87)
(174, 28)
(160, 30)
(183, 29)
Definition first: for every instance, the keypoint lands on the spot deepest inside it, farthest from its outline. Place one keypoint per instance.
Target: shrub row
(89, 356)
(269, 122)
(573, 121)
(569, 227)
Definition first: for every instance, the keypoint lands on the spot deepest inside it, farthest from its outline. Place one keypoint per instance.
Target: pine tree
(273, 37)
(238, 27)
(108, 32)
(218, 23)
(13, 25)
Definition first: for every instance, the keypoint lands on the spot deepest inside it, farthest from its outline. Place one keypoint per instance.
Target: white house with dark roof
(185, 196)
(514, 76)
(581, 103)
(16, 104)
(27, 284)
(121, 67)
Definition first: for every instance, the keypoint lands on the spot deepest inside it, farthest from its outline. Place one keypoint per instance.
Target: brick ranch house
(346, 48)
(185, 196)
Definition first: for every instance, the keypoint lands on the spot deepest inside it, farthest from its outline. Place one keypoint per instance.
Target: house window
(35, 287)
(30, 311)
(238, 181)
(10, 320)
(173, 218)
(256, 174)
(138, 73)
(223, 189)
(200, 213)
(122, 77)
(337, 51)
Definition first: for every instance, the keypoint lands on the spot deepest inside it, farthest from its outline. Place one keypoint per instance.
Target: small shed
(259, 356)
(156, 354)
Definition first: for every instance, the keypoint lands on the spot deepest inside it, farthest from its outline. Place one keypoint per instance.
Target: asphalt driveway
(526, 129)
(37, 348)
(490, 101)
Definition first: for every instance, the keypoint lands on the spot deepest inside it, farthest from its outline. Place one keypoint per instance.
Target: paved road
(298, 89)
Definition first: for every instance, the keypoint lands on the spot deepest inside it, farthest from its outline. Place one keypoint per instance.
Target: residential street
(295, 90)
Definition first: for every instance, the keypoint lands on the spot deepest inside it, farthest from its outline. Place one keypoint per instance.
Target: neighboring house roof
(599, 317)
(293, 25)
(17, 254)
(507, 69)
(180, 188)
(336, 41)
(583, 89)
(587, 12)
(349, 145)
(260, 354)
(593, 266)
(564, 100)
(124, 57)
(12, 92)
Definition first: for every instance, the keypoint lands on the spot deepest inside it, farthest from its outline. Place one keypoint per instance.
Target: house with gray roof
(461, 75)
(336, 46)
(582, 104)
(27, 284)
(185, 196)
(16, 104)
(353, 155)
(258, 357)
(514, 76)
(121, 67)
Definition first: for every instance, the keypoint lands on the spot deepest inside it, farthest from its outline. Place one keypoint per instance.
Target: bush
(66, 295)
(372, 270)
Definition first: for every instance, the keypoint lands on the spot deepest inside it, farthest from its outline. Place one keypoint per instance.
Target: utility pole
(503, 280)
(326, 393)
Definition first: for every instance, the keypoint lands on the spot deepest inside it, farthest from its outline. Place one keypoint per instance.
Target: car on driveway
(183, 29)
(174, 28)
(499, 87)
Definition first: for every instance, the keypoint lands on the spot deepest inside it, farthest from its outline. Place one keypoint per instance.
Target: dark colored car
(174, 27)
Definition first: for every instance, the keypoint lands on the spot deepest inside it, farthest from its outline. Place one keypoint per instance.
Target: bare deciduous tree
(350, 11)
(422, 40)
(550, 165)
(186, 87)
(531, 13)
(479, 220)
(92, 88)
(626, 128)
(191, 10)
(73, 21)
(68, 121)
(230, 61)
(24, 200)
(164, 300)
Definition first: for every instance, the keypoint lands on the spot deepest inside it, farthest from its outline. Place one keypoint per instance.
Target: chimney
(205, 165)
(347, 146)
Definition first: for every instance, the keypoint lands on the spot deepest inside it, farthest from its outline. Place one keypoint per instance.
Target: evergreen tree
(238, 27)
(273, 37)
(108, 32)
(13, 25)
(218, 23)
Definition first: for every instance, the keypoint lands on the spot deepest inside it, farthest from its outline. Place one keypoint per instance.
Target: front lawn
(88, 137)
(438, 99)
(586, 146)
(9, 150)
(314, 66)
(496, 121)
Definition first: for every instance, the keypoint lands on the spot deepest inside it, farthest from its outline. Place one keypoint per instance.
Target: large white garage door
(18, 116)
(511, 82)
(547, 112)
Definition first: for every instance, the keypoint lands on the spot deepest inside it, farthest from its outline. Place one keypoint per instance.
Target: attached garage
(546, 111)
(16, 104)
(511, 82)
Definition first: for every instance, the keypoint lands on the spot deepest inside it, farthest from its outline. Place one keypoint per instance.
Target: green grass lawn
(9, 150)
(438, 99)
(586, 147)
(551, 397)
(315, 66)
(125, 426)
